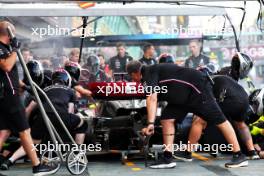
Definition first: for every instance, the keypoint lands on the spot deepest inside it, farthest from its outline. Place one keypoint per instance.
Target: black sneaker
(41, 170)
(164, 163)
(2, 159)
(238, 160)
(213, 155)
(252, 155)
(6, 164)
(183, 155)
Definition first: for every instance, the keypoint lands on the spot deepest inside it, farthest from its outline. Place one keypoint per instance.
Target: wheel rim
(77, 162)
(52, 159)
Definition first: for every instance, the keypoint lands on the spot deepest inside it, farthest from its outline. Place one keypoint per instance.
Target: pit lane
(110, 165)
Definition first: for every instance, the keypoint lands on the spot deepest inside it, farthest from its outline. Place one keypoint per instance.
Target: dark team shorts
(235, 110)
(15, 121)
(203, 105)
(71, 121)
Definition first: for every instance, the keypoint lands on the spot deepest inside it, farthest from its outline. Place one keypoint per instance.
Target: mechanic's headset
(256, 101)
(61, 76)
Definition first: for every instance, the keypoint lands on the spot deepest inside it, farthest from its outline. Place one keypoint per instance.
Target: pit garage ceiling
(166, 1)
(105, 9)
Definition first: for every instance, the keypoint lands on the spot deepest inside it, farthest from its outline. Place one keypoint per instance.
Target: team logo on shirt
(117, 64)
(191, 65)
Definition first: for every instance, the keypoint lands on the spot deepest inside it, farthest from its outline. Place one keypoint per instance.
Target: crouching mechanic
(234, 103)
(188, 90)
(63, 98)
(12, 112)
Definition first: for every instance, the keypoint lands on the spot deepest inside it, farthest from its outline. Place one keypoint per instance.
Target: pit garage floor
(202, 165)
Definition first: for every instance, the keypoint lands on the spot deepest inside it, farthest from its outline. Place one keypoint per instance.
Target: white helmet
(256, 99)
(242, 63)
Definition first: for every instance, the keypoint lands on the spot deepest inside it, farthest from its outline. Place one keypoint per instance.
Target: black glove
(15, 44)
(4, 53)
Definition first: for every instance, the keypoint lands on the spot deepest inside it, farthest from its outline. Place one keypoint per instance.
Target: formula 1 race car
(116, 118)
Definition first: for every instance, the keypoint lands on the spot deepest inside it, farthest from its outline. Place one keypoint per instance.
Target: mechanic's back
(183, 81)
(60, 93)
(229, 88)
(60, 97)
(231, 97)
